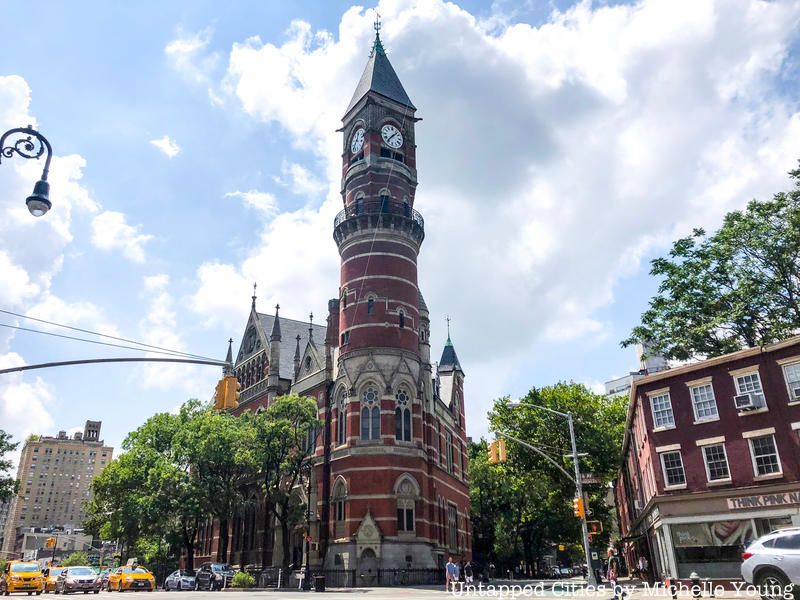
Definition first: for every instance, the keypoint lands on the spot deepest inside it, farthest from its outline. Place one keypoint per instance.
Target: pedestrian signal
(578, 508)
(595, 527)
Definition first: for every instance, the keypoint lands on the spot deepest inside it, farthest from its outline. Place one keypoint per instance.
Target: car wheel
(773, 583)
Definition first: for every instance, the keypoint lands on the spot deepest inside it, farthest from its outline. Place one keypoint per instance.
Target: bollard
(695, 580)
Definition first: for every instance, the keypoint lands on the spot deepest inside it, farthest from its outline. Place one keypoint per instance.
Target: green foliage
(243, 579)
(76, 559)
(8, 485)
(179, 469)
(739, 287)
(523, 507)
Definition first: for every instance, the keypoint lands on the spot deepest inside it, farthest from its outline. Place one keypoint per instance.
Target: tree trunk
(285, 541)
(266, 543)
(222, 551)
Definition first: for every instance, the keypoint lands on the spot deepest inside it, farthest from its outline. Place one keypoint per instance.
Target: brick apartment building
(55, 474)
(710, 460)
(389, 486)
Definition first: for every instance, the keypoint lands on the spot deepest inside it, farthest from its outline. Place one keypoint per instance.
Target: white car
(772, 563)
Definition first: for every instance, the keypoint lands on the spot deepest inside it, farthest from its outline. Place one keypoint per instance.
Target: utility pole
(590, 578)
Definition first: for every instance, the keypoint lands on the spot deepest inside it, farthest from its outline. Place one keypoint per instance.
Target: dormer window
(308, 363)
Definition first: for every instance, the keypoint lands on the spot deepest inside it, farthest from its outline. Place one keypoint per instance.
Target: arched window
(308, 363)
(406, 501)
(370, 305)
(385, 200)
(370, 414)
(402, 319)
(339, 498)
(402, 416)
(341, 420)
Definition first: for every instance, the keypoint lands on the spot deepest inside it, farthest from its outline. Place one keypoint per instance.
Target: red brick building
(710, 460)
(389, 488)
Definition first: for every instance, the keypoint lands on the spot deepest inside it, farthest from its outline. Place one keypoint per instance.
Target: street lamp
(590, 578)
(29, 143)
(307, 567)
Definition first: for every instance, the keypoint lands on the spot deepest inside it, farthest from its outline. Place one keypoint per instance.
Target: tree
(739, 287)
(8, 485)
(527, 503)
(76, 559)
(285, 438)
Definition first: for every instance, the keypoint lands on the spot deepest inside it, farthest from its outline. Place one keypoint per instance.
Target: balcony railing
(386, 206)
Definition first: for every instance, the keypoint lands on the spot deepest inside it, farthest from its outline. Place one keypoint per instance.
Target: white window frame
(698, 418)
(756, 474)
(739, 390)
(703, 449)
(789, 384)
(653, 410)
(667, 484)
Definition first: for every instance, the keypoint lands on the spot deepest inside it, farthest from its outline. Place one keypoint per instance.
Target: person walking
(450, 574)
(468, 573)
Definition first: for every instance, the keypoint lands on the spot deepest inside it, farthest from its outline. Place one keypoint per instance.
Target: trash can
(319, 583)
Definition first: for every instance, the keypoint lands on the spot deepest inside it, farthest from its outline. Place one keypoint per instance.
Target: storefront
(706, 533)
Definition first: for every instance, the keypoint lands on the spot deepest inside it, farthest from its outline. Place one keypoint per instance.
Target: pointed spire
(254, 294)
(276, 326)
(449, 360)
(379, 77)
(311, 327)
(228, 368)
(297, 350)
(448, 330)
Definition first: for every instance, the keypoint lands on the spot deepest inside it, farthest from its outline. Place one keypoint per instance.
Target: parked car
(77, 579)
(179, 580)
(50, 577)
(213, 576)
(772, 563)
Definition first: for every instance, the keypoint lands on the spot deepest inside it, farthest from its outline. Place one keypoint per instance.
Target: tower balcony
(370, 215)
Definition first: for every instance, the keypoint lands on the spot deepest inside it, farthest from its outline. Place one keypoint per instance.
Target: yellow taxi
(134, 578)
(50, 578)
(21, 576)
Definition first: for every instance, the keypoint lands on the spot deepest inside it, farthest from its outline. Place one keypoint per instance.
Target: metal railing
(383, 206)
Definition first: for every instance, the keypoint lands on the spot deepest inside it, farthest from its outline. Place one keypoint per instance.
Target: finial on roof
(228, 368)
(297, 349)
(310, 326)
(254, 294)
(276, 325)
(377, 45)
(448, 329)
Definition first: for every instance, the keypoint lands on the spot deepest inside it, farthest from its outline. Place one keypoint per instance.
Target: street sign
(590, 479)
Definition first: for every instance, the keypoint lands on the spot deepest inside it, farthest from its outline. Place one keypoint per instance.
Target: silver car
(77, 579)
(772, 563)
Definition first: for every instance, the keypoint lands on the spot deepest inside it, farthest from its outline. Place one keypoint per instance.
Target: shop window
(662, 411)
(764, 454)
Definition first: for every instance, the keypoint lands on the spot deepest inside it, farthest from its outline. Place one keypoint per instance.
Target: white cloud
(110, 231)
(300, 180)
(552, 159)
(167, 145)
(188, 55)
(263, 202)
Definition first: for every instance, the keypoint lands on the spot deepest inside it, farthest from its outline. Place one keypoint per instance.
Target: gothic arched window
(406, 501)
(370, 414)
(339, 498)
(402, 416)
(341, 420)
(370, 305)
(402, 319)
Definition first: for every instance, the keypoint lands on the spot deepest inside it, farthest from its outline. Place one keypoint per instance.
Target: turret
(273, 380)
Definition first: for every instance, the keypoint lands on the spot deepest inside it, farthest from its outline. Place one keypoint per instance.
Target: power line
(112, 337)
(69, 337)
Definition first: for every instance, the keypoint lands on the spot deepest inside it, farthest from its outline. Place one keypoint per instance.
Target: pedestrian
(450, 574)
(613, 575)
(643, 565)
(468, 573)
(492, 570)
(461, 573)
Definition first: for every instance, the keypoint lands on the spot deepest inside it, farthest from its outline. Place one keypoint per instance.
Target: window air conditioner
(796, 393)
(637, 504)
(744, 402)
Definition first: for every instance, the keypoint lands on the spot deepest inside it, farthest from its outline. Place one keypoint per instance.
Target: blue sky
(562, 146)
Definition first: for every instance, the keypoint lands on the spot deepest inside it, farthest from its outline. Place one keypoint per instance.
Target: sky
(563, 146)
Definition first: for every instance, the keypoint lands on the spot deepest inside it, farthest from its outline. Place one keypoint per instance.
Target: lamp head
(39, 201)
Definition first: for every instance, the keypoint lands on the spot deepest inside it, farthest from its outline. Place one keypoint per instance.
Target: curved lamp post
(29, 143)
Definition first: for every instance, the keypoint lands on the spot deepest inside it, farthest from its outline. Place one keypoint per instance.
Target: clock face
(392, 136)
(357, 143)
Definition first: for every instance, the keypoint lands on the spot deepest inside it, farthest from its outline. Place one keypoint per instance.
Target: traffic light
(232, 392)
(595, 527)
(497, 451)
(578, 508)
(51, 542)
(220, 394)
